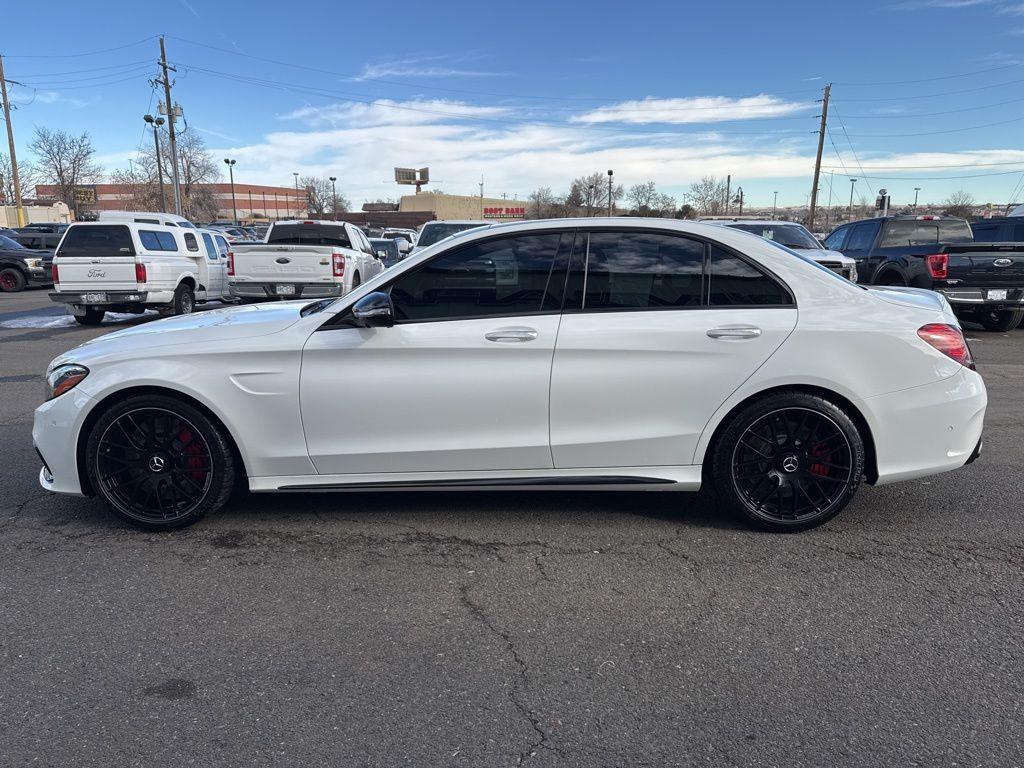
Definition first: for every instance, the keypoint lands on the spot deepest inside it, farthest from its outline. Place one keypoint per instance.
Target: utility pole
(10, 145)
(266, 211)
(728, 191)
(739, 199)
(610, 174)
(852, 183)
(916, 191)
(775, 204)
(231, 173)
(817, 159)
(481, 195)
(252, 213)
(172, 140)
(156, 123)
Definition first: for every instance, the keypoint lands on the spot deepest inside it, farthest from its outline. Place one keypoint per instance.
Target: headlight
(34, 263)
(63, 378)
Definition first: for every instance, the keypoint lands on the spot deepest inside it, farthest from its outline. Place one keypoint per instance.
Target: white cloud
(700, 109)
(422, 66)
(390, 112)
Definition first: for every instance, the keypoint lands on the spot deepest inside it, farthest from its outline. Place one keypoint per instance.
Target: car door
(858, 247)
(464, 372)
(659, 329)
(216, 266)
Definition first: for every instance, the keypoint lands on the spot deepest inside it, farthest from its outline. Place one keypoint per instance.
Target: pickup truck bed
(984, 282)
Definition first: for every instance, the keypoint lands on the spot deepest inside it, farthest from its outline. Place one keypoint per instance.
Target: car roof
(758, 223)
(458, 221)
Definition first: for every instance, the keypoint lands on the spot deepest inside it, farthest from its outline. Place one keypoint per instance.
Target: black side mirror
(374, 310)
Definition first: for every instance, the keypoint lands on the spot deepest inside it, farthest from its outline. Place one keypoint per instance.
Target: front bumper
(55, 429)
(982, 297)
(269, 290)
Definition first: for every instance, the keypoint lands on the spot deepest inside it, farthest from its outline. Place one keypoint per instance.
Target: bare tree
(318, 194)
(590, 193)
(140, 190)
(197, 169)
(645, 200)
(542, 203)
(708, 196)
(66, 161)
(28, 175)
(960, 204)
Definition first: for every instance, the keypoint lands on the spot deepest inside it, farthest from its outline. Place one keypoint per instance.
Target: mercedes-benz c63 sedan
(590, 353)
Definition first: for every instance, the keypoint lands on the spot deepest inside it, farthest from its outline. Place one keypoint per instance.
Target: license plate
(288, 290)
(96, 298)
(997, 295)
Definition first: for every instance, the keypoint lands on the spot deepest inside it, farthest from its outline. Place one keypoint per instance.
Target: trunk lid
(282, 263)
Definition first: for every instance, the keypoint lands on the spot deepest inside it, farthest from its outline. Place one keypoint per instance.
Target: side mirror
(374, 310)
(382, 255)
(404, 246)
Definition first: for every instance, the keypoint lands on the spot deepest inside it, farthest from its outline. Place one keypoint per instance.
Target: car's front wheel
(159, 462)
(789, 461)
(12, 280)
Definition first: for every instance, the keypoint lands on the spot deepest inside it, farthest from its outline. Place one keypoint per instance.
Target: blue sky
(536, 93)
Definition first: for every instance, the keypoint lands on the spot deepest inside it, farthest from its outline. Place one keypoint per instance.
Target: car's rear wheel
(184, 300)
(1002, 320)
(91, 316)
(789, 461)
(159, 462)
(12, 280)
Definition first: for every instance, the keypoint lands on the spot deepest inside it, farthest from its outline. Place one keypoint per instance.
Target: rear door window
(97, 242)
(861, 237)
(211, 249)
(733, 282)
(834, 242)
(153, 240)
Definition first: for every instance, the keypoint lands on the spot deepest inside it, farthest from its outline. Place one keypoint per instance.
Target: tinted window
(834, 241)
(861, 237)
(923, 232)
(308, 234)
(505, 276)
(1018, 233)
(639, 270)
(790, 235)
(97, 241)
(157, 241)
(211, 249)
(389, 249)
(190, 242)
(222, 247)
(734, 282)
(435, 233)
(986, 233)
(14, 245)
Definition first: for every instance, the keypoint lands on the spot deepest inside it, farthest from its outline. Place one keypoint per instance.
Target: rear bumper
(269, 290)
(111, 297)
(927, 430)
(965, 297)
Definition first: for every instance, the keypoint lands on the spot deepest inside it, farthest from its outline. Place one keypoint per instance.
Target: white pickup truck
(302, 259)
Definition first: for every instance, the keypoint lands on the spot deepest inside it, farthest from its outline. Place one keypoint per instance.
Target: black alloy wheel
(159, 462)
(789, 462)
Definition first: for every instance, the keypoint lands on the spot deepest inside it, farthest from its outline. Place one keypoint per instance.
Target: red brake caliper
(193, 454)
(819, 451)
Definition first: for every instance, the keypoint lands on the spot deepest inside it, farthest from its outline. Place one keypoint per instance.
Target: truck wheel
(1002, 320)
(184, 300)
(92, 316)
(12, 280)
(356, 281)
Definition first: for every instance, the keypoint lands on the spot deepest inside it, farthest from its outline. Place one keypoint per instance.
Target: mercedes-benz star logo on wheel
(790, 463)
(157, 463)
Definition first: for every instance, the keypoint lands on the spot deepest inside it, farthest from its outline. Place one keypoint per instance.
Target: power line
(897, 116)
(104, 76)
(923, 167)
(932, 79)
(934, 133)
(941, 93)
(90, 69)
(78, 55)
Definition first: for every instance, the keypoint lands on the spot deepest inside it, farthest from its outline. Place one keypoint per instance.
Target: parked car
(303, 259)
(21, 267)
(405, 238)
(574, 353)
(796, 237)
(49, 227)
(38, 241)
(1005, 229)
(387, 251)
(984, 282)
(435, 231)
(130, 267)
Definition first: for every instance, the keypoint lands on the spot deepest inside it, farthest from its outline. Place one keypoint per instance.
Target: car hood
(817, 254)
(218, 325)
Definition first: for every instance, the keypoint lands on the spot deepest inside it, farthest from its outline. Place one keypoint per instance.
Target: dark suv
(1004, 229)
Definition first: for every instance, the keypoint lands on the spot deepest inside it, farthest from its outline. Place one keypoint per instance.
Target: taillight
(949, 340)
(231, 263)
(339, 264)
(938, 265)
(54, 276)
(140, 273)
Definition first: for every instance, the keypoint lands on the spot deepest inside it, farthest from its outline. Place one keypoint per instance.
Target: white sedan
(582, 353)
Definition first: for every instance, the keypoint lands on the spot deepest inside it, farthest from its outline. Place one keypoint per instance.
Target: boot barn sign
(503, 212)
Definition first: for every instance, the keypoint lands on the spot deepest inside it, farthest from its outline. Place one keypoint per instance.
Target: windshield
(309, 234)
(433, 233)
(6, 242)
(790, 235)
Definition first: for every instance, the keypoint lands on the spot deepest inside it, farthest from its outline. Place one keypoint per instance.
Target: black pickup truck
(984, 282)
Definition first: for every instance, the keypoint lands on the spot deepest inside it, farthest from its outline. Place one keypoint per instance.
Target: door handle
(734, 332)
(511, 335)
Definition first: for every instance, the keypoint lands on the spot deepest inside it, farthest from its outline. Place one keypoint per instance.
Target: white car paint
(594, 395)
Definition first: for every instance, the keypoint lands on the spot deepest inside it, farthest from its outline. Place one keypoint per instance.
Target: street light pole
(590, 198)
(916, 190)
(252, 214)
(334, 199)
(298, 210)
(156, 123)
(610, 173)
(231, 173)
(775, 204)
(852, 182)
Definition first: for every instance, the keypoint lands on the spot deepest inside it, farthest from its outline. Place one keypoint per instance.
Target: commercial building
(36, 212)
(252, 201)
(445, 207)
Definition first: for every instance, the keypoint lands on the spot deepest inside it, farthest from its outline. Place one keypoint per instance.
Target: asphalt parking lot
(505, 629)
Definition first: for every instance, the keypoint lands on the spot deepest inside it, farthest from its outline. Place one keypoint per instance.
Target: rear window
(309, 234)
(923, 232)
(97, 242)
(434, 233)
(790, 235)
(153, 240)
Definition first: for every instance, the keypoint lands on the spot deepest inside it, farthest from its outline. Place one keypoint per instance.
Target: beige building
(34, 214)
(447, 207)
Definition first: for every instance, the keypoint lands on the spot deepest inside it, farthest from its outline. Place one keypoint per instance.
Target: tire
(890, 278)
(184, 302)
(805, 479)
(12, 280)
(1001, 320)
(92, 316)
(356, 281)
(159, 462)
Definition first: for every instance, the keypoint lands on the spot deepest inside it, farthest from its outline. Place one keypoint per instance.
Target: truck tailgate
(986, 264)
(107, 273)
(282, 264)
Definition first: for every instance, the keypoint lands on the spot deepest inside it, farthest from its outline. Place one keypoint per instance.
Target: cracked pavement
(533, 629)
